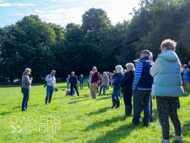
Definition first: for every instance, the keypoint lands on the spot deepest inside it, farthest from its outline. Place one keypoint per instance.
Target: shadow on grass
(103, 97)
(115, 135)
(74, 102)
(106, 122)
(4, 113)
(102, 110)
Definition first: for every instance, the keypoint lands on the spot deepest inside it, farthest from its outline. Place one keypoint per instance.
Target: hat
(136, 61)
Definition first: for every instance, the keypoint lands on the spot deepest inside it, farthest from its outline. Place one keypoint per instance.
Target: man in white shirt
(51, 83)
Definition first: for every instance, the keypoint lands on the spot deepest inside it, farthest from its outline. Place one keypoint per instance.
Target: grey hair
(119, 69)
(130, 67)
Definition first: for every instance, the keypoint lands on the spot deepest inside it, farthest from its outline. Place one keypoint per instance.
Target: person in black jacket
(73, 80)
(126, 86)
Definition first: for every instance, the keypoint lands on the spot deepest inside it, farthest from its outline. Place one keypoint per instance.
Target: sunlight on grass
(77, 119)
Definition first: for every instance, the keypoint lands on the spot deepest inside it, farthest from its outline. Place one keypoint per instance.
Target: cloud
(64, 1)
(63, 16)
(5, 4)
(15, 4)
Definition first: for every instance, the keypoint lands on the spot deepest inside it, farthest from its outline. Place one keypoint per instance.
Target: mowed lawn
(77, 119)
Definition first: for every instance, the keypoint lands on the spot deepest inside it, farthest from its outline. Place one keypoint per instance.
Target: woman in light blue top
(185, 77)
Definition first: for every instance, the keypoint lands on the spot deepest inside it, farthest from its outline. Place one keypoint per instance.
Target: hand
(120, 87)
(134, 88)
(31, 78)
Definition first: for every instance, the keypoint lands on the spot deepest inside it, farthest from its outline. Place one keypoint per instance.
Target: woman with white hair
(105, 83)
(116, 87)
(126, 84)
(26, 86)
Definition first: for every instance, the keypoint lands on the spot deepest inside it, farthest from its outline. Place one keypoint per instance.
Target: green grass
(80, 119)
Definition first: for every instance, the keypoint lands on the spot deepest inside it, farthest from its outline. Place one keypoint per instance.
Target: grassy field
(77, 119)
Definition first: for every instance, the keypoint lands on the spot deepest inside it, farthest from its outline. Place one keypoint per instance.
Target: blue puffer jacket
(167, 82)
(116, 83)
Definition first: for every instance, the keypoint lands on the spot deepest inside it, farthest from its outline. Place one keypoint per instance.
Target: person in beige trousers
(94, 82)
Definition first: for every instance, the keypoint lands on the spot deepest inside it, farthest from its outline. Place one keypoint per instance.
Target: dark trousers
(127, 99)
(141, 97)
(49, 93)
(81, 86)
(74, 85)
(167, 106)
(26, 93)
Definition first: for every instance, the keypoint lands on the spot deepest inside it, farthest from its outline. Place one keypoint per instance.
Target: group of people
(146, 79)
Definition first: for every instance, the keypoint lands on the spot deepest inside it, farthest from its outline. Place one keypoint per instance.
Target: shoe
(178, 138)
(114, 103)
(165, 141)
(117, 103)
(128, 110)
(145, 125)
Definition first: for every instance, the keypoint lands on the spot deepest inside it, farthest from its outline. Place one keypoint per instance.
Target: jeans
(49, 93)
(115, 94)
(141, 97)
(68, 85)
(81, 86)
(104, 89)
(26, 93)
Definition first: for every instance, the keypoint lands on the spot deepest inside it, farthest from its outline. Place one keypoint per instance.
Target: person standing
(81, 81)
(73, 81)
(142, 85)
(67, 79)
(105, 83)
(167, 88)
(26, 86)
(94, 82)
(185, 77)
(189, 72)
(51, 83)
(116, 86)
(126, 86)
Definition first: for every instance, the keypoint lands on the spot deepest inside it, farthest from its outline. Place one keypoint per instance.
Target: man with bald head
(73, 81)
(94, 82)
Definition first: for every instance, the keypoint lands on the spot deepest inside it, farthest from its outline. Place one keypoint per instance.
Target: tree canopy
(44, 46)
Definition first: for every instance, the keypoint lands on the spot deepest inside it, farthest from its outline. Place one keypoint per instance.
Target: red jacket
(95, 77)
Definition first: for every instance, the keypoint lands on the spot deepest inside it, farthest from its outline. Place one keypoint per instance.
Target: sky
(62, 12)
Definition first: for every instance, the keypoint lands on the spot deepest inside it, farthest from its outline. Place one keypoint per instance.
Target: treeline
(44, 46)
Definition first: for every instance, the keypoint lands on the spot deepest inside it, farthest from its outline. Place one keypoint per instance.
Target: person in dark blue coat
(81, 81)
(73, 81)
(116, 86)
(126, 85)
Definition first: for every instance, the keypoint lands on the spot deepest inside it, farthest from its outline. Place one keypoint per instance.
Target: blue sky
(62, 12)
